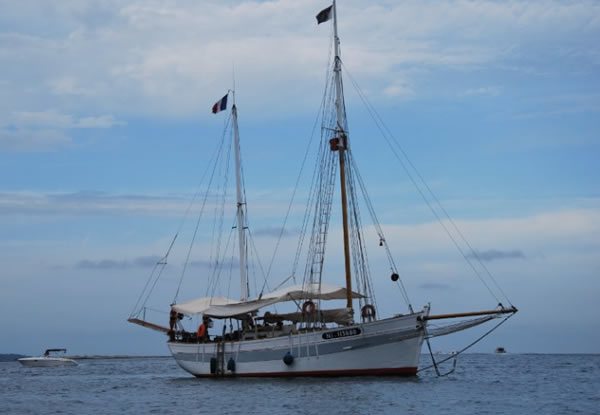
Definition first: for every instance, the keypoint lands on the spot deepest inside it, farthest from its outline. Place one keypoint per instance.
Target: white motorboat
(48, 360)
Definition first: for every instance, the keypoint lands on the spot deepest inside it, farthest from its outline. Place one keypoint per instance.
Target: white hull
(46, 361)
(383, 347)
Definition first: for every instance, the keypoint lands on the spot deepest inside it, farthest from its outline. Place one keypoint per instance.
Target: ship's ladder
(327, 185)
(220, 370)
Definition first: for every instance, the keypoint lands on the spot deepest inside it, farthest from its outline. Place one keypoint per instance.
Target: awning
(221, 307)
(200, 305)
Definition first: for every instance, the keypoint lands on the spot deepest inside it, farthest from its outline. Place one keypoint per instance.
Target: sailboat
(312, 339)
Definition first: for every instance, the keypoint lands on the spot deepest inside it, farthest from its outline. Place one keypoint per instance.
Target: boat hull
(46, 362)
(384, 347)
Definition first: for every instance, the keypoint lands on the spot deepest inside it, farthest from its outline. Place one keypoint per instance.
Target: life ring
(368, 311)
(308, 307)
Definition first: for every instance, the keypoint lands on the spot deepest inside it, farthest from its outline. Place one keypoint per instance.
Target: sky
(106, 131)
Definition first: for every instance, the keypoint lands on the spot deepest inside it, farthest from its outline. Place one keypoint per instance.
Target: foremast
(240, 206)
(342, 143)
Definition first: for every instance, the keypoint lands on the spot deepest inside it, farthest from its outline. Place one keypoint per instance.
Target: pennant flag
(220, 105)
(324, 15)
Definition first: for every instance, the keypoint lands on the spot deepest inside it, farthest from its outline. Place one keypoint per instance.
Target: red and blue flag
(220, 105)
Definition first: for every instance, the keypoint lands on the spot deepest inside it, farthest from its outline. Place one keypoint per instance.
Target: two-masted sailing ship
(311, 338)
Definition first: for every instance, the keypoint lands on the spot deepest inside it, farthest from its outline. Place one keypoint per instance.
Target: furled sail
(221, 307)
(453, 328)
(200, 305)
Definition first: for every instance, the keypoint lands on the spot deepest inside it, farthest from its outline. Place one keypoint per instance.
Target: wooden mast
(240, 205)
(345, 223)
(342, 142)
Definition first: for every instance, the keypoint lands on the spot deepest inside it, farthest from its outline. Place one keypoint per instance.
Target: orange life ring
(308, 307)
(368, 311)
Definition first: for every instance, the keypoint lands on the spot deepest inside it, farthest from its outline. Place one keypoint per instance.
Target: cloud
(274, 232)
(542, 233)
(72, 86)
(41, 140)
(103, 121)
(48, 119)
(45, 131)
(434, 286)
(563, 104)
(203, 263)
(397, 90)
(56, 119)
(146, 261)
(133, 57)
(488, 90)
(104, 264)
(83, 203)
(91, 203)
(493, 254)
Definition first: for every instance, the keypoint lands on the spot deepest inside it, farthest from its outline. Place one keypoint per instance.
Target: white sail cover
(221, 307)
(463, 325)
(199, 305)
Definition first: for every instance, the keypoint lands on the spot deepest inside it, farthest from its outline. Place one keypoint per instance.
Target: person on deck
(202, 334)
(172, 323)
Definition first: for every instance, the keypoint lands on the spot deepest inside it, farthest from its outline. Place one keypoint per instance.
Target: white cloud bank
(173, 58)
(532, 237)
(56, 119)
(46, 130)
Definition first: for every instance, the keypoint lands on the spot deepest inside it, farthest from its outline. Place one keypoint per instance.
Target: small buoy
(395, 277)
(231, 364)
(213, 365)
(288, 359)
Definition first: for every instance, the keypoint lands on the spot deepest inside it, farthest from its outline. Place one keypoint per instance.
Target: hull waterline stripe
(401, 371)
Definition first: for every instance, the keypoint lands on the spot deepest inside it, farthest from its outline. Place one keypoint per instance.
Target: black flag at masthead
(324, 14)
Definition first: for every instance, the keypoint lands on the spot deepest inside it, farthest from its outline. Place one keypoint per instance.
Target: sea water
(481, 384)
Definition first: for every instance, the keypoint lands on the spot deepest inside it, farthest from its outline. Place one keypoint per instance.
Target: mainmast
(240, 206)
(342, 142)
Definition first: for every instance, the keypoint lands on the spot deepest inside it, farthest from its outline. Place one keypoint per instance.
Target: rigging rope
(435, 364)
(360, 257)
(287, 214)
(255, 251)
(163, 261)
(322, 189)
(198, 220)
(217, 269)
(160, 263)
(312, 134)
(470, 344)
(379, 231)
(391, 140)
(220, 212)
(231, 261)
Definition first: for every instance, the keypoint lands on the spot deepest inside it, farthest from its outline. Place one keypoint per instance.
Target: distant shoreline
(11, 357)
(98, 357)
